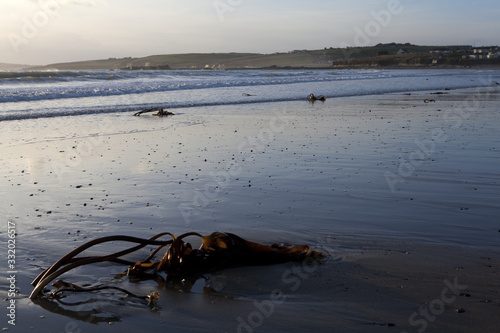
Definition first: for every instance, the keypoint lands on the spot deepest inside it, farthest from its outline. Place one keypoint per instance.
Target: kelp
(180, 261)
(160, 112)
(313, 98)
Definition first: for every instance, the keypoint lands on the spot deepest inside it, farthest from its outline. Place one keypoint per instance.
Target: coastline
(382, 55)
(277, 67)
(275, 172)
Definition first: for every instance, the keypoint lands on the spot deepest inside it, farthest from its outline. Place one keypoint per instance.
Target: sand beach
(401, 192)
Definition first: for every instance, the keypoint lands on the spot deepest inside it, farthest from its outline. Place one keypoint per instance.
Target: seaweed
(313, 98)
(160, 112)
(180, 261)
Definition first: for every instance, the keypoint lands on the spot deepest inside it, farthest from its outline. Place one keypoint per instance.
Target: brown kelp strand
(217, 251)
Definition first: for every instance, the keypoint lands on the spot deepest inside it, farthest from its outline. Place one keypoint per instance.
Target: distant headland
(391, 55)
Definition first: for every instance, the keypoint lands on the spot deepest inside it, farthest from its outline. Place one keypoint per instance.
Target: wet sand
(401, 191)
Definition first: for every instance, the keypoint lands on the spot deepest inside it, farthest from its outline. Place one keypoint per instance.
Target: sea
(36, 94)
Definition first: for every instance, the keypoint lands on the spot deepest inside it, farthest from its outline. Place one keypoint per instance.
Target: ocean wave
(47, 76)
(126, 108)
(89, 92)
(148, 84)
(80, 111)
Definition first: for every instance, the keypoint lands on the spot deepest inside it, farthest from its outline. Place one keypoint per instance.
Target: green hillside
(392, 54)
(200, 61)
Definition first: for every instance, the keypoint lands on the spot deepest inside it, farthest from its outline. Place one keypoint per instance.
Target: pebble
(460, 310)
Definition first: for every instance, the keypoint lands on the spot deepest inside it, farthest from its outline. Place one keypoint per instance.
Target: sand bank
(402, 191)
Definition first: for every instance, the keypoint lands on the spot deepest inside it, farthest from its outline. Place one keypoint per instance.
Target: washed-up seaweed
(217, 251)
(160, 112)
(313, 98)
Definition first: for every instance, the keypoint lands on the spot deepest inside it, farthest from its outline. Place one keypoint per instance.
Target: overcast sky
(49, 31)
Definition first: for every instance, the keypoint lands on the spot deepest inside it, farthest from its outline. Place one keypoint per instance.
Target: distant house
(436, 58)
(440, 52)
(481, 51)
(403, 51)
(492, 55)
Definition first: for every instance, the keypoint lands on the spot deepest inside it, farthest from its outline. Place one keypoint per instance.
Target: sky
(39, 32)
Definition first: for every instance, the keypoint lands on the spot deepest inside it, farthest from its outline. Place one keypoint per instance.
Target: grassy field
(201, 61)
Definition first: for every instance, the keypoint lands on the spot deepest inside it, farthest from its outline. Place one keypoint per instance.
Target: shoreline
(238, 103)
(276, 67)
(290, 172)
(68, 147)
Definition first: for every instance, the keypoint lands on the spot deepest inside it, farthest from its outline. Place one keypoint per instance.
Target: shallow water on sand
(366, 168)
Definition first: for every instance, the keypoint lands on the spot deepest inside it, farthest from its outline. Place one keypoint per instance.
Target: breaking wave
(33, 94)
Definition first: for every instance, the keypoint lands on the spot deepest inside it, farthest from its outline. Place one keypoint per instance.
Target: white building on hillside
(481, 51)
